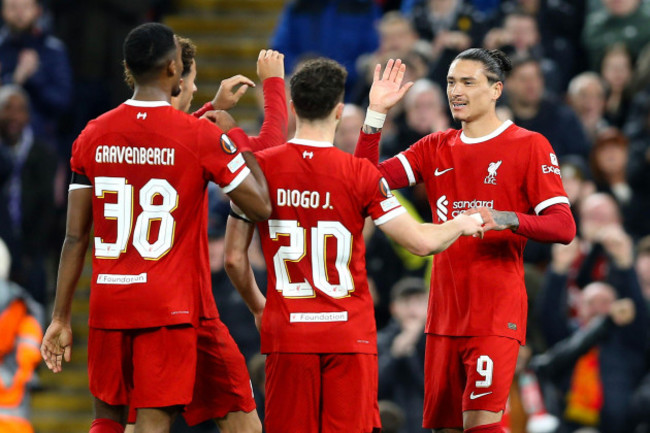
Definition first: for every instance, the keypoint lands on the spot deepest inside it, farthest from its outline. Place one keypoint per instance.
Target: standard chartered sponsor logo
(458, 207)
(441, 208)
(121, 279)
(333, 316)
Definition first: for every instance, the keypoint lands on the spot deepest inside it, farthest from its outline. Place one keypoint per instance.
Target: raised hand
(270, 63)
(387, 91)
(227, 97)
(57, 345)
(220, 118)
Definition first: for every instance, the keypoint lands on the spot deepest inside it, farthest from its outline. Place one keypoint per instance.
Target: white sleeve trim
(407, 168)
(390, 215)
(550, 202)
(237, 180)
(74, 186)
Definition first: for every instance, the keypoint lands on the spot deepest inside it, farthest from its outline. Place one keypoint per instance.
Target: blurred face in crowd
(347, 132)
(611, 158)
(621, 7)
(526, 84)
(188, 87)
(20, 15)
(410, 309)
(422, 110)
(597, 211)
(522, 30)
(470, 93)
(442, 7)
(595, 300)
(14, 117)
(617, 69)
(588, 98)
(396, 34)
(571, 181)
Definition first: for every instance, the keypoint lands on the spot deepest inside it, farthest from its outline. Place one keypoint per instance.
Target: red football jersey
(149, 165)
(477, 286)
(317, 296)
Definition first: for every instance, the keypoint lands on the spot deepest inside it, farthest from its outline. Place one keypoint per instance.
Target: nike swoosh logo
(438, 172)
(473, 396)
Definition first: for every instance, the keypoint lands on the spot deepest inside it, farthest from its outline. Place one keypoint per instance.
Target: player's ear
(339, 111)
(497, 89)
(293, 109)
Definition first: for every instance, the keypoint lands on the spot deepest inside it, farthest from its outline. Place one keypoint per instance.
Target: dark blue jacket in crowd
(621, 351)
(50, 88)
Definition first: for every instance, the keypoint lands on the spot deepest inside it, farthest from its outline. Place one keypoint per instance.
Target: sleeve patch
(389, 203)
(227, 145)
(236, 163)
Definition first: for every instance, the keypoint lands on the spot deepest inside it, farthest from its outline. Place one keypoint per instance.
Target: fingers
(240, 92)
(375, 77)
(389, 68)
(67, 353)
(395, 71)
(236, 80)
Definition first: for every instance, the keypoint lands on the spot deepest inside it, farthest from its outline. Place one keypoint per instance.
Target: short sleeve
(220, 159)
(77, 163)
(543, 180)
(380, 203)
(413, 160)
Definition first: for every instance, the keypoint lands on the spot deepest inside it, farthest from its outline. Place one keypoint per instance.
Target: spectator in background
(638, 165)
(339, 29)
(616, 70)
(599, 385)
(608, 160)
(29, 192)
(347, 132)
(38, 62)
(642, 267)
(534, 111)
(400, 348)
(425, 111)
(451, 26)
(560, 25)
(519, 36)
(20, 338)
(624, 21)
(576, 184)
(586, 95)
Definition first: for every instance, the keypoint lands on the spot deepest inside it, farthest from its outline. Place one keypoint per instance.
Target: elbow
(232, 261)
(569, 233)
(424, 249)
(261, 213)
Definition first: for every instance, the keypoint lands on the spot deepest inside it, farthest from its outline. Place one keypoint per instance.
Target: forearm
(274, 127)
(239, 235)
(421, 239)
(73, 255)
(555, 224)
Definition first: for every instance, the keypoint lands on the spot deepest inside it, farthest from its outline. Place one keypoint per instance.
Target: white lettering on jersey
(462, 206)
(441, 205)
(304, 199)
(491, 178)
(550, 169)
(121, 279)
(389, 203)
(306, 154)
(142, 116)
(554, 160)
(134, 155)
(334, 316)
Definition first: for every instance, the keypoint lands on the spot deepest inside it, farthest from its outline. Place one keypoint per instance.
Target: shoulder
(53, 43)
(527, 138)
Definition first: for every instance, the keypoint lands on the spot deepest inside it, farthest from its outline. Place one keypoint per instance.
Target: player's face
(188, 87)
(470, 94)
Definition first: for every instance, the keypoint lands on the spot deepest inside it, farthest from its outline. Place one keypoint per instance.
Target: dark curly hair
(317, 87)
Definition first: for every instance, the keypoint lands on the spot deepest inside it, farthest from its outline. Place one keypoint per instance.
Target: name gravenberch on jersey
(134, 155)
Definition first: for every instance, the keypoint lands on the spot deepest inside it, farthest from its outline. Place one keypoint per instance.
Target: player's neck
(151, 93)
(481, 127)
(317, 131)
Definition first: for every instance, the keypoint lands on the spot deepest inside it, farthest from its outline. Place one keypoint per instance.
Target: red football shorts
(466, 373)
(326, 393)
(153, 367)
(222, 382)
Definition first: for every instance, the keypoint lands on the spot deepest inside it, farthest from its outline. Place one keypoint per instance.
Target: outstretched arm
(57, 342)
(239, 234)
(427, 239)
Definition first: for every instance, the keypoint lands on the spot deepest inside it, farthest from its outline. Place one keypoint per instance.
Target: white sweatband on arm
(374, 119)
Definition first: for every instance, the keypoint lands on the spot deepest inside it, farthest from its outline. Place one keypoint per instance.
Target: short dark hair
(317, 87)
(146, 47)
(496, 62)
(188, 53)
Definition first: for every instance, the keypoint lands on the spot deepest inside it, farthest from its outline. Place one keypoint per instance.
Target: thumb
(405, 88)
(67, 353)
(240, 92)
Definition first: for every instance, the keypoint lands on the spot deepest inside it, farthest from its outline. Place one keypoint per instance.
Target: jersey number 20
(295, 252)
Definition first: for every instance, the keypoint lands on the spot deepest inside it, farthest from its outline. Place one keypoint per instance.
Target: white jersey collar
(312, 143)
(136, 103)
(491, 135)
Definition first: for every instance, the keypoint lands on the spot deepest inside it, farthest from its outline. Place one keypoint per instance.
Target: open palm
(387, 91)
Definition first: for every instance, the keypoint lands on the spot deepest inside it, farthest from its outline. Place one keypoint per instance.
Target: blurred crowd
(581, 77)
